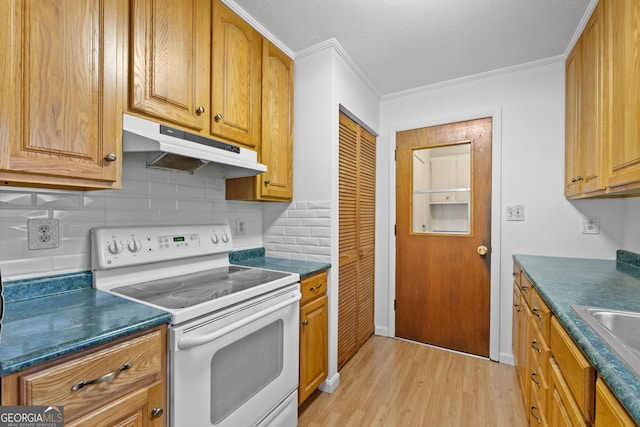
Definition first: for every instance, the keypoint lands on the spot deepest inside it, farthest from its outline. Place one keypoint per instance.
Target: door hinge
(395, 229)
(394, 305)
(395, 155)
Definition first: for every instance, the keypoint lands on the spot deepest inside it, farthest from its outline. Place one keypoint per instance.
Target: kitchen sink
(619, 329)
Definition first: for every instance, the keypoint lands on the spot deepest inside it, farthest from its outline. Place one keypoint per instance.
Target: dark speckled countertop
(55, 316)
(613, 284)
(256, 258)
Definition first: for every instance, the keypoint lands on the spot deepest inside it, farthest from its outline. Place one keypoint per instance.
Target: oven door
(238, 367)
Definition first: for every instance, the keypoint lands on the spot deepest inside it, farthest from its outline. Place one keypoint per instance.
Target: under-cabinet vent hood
(174, 149)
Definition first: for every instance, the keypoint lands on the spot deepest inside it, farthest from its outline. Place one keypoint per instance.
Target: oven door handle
(196, 340)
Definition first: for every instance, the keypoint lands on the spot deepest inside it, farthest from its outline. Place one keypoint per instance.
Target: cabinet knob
(111, 157)
(157, 412)
(217, 117)
(305, 322)
(578, 178)
(267, 182)
(200, 110)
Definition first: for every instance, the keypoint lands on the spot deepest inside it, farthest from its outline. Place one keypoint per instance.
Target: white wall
(324, 81)
(530, 105)
(148, 196)
(632, 225)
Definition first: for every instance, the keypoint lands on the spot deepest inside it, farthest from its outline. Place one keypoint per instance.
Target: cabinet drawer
(578, 373)
(526, 287)
(55, 386)
(539, 390)
(540, 351)
(541, 314)
(563, 408)
(313, 287)
(517, 272)
(609, 411)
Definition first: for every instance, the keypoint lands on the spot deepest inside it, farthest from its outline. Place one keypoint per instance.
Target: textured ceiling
(403, 44)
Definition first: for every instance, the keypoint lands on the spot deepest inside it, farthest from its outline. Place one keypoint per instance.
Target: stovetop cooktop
(195, 288)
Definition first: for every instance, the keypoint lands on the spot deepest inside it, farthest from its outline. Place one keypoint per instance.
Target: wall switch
(590, 225)
(514, 213)
(241, 227)
(43, 233)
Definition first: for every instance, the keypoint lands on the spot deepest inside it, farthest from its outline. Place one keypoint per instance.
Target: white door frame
(496, 203)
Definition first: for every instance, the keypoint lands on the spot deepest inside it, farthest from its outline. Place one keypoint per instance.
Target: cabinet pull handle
(105, 377)
(305, 322)
(217, 117)
(534, 407)
(157, 412)
(533, 378)
(200, 110)
(515, 275)
(517, 306)
(535, 311)
(524, 289)
(315, 288)
(535, 346)
(111, 157)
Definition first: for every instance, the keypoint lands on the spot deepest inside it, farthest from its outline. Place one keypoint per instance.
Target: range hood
(177, 150)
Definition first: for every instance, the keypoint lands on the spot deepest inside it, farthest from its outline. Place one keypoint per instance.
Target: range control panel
(113, 247)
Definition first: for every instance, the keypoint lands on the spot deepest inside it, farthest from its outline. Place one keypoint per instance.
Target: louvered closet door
(356, 231)
(366, 233)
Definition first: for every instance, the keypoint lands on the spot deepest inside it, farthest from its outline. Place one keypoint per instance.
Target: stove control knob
(214, 238)
(134, 245)
(115, 247)
(225, 238)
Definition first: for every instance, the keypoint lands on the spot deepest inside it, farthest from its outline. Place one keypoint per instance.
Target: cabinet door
(60, 79)
(622, 23)
(277, 124)
(590, 120)
(236, 78)
(169, 60)
(572, 122)
(314, 365)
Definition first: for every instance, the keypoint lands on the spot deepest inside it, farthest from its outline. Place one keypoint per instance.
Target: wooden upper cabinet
(603, 106)
(276, 149)
(236, 76)
(584, 150)
(277, 124)
(169, 60)
(622, 80)
(61, 68)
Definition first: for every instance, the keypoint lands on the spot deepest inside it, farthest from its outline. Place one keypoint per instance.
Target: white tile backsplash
(300, 231)
(147, 197)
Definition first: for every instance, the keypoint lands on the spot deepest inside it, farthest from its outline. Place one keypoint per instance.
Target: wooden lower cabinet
(558, 382)
(609, 412)
(121, 383)
(314, 352)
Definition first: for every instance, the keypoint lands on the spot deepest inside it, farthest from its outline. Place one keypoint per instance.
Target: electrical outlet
(241, 227)
(514, 213)
(590, 225)
(43, 233)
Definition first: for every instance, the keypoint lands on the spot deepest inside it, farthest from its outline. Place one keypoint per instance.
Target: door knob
(482, 250)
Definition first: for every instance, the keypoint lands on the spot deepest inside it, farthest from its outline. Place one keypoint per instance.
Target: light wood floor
(391, 382)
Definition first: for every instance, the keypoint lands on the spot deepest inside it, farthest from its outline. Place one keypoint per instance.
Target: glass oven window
(244, 367)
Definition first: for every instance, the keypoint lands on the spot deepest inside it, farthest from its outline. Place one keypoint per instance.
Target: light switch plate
(590, 225)
(514, 213)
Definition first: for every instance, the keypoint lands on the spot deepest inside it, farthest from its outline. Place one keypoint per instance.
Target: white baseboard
(507, 358)
(382, 331)
(330, 384)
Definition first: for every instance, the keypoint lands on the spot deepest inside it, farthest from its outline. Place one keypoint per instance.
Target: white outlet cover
(590, 225)
(43, 233)
(241, 226)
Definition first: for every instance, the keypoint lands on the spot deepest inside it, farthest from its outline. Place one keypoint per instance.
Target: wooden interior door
(356, 264)
(442, 280)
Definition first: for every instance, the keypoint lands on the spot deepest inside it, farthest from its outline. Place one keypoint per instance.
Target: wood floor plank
(391, 382)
